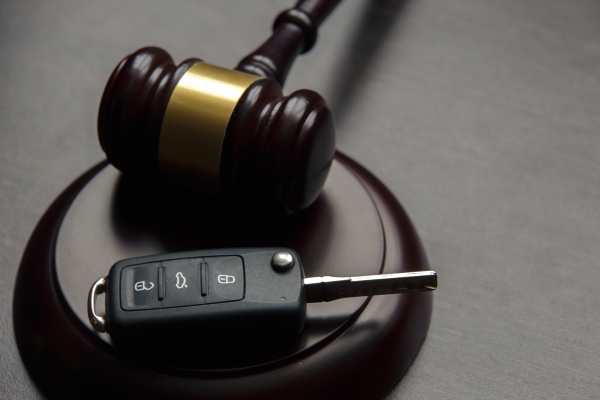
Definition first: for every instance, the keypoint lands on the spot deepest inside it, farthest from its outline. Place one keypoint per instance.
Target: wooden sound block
(350, 348)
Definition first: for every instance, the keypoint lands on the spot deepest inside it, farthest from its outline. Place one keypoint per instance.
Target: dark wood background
(483, 117)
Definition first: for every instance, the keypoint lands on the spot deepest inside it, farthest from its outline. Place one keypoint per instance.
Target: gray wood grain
(481, 116)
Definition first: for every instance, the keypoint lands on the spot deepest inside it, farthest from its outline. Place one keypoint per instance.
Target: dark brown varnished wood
(294, 33)
(132, 108)
(277, 149)
(354, 348)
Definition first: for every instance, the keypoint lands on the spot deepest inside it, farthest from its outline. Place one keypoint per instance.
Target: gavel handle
(294, 33)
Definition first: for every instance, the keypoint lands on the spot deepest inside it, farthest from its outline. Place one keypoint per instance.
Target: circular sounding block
(349, 348)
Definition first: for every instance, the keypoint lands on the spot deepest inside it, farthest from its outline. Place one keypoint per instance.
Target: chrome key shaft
(329, 288)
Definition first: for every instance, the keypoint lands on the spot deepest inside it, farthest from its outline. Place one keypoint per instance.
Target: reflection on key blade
(329, 288)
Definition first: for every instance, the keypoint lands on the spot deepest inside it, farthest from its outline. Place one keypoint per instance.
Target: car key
(244, 293)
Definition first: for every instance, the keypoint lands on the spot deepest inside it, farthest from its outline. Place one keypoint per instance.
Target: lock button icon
(225, 279)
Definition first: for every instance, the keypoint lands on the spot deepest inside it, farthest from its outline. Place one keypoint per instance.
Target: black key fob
(189, 297)
(183, 299)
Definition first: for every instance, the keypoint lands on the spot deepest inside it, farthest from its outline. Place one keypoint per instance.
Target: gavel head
(222, 130)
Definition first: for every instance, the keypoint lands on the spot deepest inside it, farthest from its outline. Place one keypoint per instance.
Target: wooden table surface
(483, 117)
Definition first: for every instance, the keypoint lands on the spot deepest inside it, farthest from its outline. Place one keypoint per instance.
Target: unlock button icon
(140, 284)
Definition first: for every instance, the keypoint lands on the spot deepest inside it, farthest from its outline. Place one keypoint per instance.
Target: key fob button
(225, 279)
(139, 287)
(182, 283)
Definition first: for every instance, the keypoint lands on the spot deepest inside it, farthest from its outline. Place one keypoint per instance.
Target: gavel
(228, 132)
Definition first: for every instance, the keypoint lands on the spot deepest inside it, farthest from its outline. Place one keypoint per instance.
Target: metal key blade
(329, 288)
